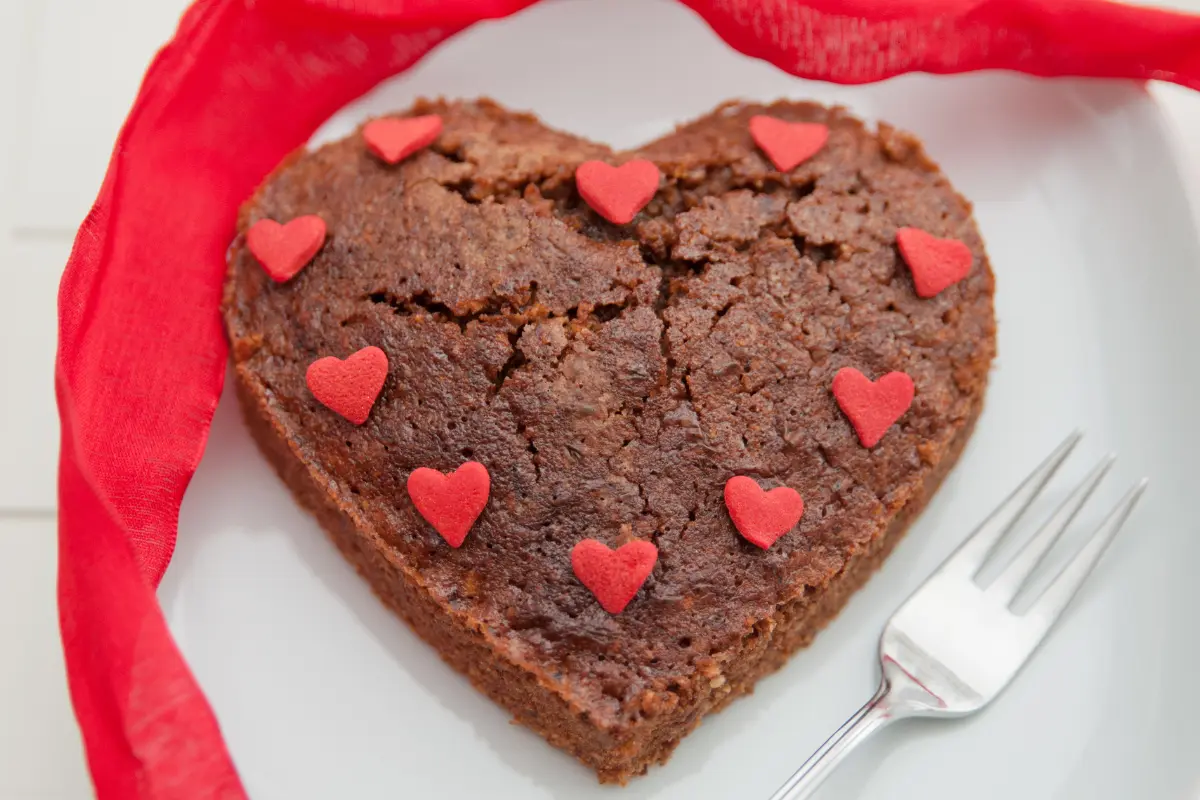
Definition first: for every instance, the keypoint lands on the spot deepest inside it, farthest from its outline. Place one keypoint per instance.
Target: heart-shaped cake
(557, 386)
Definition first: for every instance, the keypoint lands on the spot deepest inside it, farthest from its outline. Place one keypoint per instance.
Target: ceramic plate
(322, 693)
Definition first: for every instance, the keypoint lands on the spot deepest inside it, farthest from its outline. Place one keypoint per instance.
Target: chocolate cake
(611, 379)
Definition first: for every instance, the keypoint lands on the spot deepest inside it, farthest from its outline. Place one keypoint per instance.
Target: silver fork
(953, 646)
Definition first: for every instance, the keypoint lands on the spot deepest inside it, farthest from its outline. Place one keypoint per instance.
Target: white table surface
(68, 72)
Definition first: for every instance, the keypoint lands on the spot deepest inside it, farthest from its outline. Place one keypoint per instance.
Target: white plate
(322, 693)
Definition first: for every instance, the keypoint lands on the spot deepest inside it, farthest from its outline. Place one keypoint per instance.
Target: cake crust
(612, 378)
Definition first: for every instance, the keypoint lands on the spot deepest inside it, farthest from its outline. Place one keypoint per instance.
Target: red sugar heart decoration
(613, 576)
(349, 387)
(762, 517)
(934, 263)
(617, 193)
(788, 144)
(394, 139)
(872, 407)
(284, 250)
(451, 503)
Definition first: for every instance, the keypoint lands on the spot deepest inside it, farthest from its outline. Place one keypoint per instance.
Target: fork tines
(976, 551)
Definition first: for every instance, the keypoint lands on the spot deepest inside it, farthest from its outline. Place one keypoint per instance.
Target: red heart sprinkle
(284, 250)
(394, 139)
(613, 576)
(451, 503)
(935, 263)
(872, 407)
(788, 144)
(617, 193)
(762, 517)
(349, 387)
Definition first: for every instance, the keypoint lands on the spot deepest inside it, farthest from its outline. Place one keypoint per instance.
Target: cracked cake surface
(612, 379)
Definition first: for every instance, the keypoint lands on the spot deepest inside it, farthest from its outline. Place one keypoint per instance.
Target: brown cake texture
(612, 379)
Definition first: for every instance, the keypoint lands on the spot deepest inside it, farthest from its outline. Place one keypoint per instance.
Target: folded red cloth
(142, 356)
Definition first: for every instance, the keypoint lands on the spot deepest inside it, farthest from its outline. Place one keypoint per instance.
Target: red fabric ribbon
(141, 356)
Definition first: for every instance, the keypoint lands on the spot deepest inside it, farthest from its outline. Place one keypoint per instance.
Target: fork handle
(868, 719)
